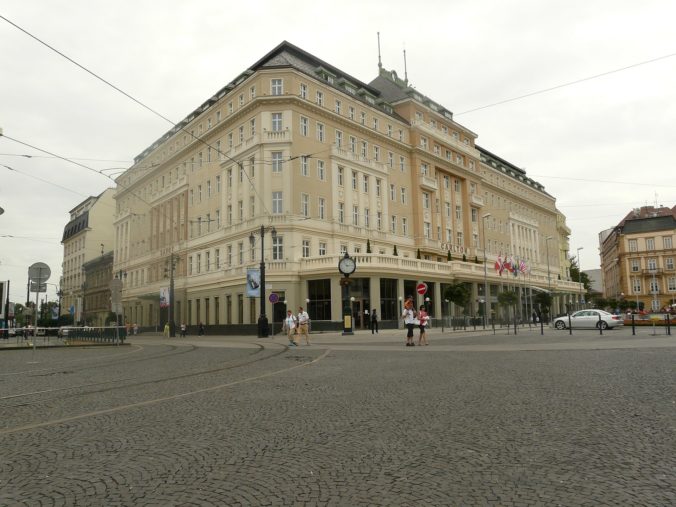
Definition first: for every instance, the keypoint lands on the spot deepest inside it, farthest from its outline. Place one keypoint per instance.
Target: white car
(589, 319)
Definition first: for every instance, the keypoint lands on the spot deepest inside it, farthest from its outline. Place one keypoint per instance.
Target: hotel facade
(333, 165)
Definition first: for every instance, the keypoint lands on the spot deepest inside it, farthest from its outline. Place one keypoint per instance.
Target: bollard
(668, 324)
(570, 325)
(600, 325)
(542, 326)
(633, 325)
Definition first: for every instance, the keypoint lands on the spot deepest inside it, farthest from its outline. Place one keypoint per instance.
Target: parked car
(589, 319)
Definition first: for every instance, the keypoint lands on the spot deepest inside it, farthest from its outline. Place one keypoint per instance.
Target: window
(365, 183)
(339, 139)
(230, 143)
(423, 142)
(376, 153)
(277, 248)
(424, 169)
(353, 144)
(378, 186)
(447, 182)
(458, 213)
(320, 132)
(666, 242)
(322, 207)
(456, 184)
(303, 91)
(362, 118)
(341, 213)
(390, 159)
(652, 264)
(240, 210)
(355, 215)
(375, 123)
(252, 206)
(322, 248)
(475, 215)
(354, 180)
(229, 175)
(427, 228)
(671, 283)
(426, 200)
(654, 286)
(252, 127)
(208, 260)
(276, 161)
(343, 249)
(379, 220)
(190, 265)
(276, 87)
(393, 224)
(276, 123)
(404, 226)
(402, 164)
(392, 192)
(460, 241)
(364, 148)
(650, 243)
(449, 235)
(305, 205)
(669, 263)
(218, 219)
(306, 248)
(447, 209)
(340, 176)
(320, 97)
(321, 171)
(199, 193)
(229, 211)
(198, 261)
(230, 108)
(338, 105)
(304, 126)
(633, 245)
(252, 92)
(228, 255)
(367, 217)
(217, 256)
(276, 203)
(304, 171)
(350, 112)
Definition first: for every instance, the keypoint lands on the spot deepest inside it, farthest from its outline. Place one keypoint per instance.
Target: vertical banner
(253, 282)
(164, 297)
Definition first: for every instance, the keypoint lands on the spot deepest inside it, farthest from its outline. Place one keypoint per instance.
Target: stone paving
(472, 419)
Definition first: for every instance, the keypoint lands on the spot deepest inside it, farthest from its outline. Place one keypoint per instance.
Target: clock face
(347, 265)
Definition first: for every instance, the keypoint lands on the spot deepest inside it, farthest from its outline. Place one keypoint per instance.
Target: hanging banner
(253, 282)
(164, 297)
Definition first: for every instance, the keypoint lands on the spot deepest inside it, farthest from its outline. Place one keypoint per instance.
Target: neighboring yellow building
(335, 165)
(85, 236)
(637, 258)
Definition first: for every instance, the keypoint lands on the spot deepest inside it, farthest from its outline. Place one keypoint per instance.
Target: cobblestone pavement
(470, 420)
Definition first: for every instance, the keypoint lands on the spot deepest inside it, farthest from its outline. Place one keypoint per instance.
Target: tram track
(173, 397)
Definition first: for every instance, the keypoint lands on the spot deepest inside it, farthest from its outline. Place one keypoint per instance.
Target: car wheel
(560, 324)
(603, 324)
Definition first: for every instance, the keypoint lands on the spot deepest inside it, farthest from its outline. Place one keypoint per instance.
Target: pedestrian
(290, 328)
(200, 329)
(423, 317)
(409, 320)
(166, 330)
(535, 317)
(374, 321)
(304, 324)
(183, 329)
(135, 327)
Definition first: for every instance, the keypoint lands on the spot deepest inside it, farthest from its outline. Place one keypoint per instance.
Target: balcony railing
(428, 183)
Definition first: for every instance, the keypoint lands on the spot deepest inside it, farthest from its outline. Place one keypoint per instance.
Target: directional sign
(421, 288)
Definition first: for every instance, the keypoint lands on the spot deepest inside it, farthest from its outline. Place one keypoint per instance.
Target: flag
(499, 265)
(522, 267)
(508, 264)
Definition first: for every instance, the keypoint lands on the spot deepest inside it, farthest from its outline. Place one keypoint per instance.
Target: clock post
(346, 266)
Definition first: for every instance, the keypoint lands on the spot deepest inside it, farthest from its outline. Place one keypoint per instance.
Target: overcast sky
(601, 147)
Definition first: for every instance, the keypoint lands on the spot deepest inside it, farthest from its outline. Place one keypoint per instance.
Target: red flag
(499, 265)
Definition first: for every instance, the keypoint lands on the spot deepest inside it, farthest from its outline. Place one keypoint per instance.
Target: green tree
(577, 276)
(417, 255)
(509, 299)
(368, 246)
(459, 294)
(394, 252)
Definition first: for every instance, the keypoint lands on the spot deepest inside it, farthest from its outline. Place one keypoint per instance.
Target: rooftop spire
(380, 64)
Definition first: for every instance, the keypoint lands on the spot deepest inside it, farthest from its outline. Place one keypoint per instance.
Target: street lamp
(485, 216)
(263, 328)
(579, 275)
(169, 270)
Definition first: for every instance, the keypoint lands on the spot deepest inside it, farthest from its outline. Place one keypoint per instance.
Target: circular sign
(421, 288)
(39, 272)
(273, 298)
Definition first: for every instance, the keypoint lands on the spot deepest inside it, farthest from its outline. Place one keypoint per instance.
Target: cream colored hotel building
(335, 165)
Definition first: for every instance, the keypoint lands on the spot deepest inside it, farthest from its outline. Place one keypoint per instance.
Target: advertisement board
(253, 282)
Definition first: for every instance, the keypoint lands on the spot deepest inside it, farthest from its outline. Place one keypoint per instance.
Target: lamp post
(485, 216)
(579, 276)
(549, 274)
(401, 298)
(263, 328)
(173, 259)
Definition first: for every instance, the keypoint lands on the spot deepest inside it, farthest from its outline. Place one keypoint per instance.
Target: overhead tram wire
(563, 85)
(148, 108)
(70, 158)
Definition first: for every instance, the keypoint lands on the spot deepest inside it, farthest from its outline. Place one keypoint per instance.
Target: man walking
(374, 321)
(290, 328)
(303, 324)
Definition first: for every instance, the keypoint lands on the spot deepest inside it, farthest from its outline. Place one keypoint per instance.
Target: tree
(417, 255)
(368, 246)
(577, 276)
(458, 294)
(448, 256)
(394, 252)
(509, 299)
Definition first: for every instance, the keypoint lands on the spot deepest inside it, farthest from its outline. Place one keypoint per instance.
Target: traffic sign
(39, 272)
(273, 298)
(421, 288)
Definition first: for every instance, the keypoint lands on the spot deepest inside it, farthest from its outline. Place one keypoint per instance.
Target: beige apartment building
(334, 165)
(637, 258)
(88, 232)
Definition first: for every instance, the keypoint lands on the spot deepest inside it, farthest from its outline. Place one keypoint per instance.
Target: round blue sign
(274, 298)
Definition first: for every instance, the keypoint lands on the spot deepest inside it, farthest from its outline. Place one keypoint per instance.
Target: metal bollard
(633, 325)
(570, 325)
(600, 325)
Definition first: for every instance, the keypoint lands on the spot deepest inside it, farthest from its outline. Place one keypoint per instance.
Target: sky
(600, 146)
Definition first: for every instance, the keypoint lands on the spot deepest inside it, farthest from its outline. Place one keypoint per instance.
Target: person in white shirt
(290, 327)
(303, 324)
(410, 320)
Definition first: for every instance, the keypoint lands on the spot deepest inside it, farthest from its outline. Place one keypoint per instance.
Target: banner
(253, 282)
(164, 297)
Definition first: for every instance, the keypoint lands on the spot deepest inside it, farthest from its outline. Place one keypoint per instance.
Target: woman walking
(424, 318)
(409, 320)
(290, 328)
